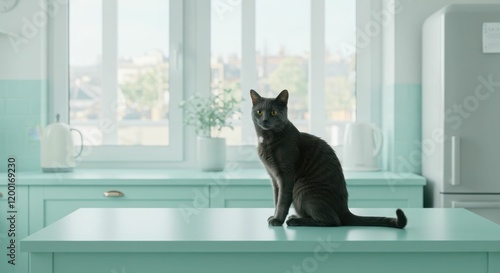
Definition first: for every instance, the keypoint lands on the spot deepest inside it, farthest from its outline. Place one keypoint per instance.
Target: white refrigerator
(461, 108)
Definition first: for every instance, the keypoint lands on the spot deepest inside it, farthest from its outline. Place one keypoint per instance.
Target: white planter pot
(211, 154)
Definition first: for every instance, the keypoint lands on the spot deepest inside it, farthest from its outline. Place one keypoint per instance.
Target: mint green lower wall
(402, 127)
(22, 113)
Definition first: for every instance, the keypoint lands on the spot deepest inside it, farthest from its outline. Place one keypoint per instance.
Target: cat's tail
(355, 220)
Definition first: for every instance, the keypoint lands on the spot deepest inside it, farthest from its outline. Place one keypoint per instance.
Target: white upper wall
(24, 57)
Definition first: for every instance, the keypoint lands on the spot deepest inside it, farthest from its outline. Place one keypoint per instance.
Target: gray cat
(304, 170)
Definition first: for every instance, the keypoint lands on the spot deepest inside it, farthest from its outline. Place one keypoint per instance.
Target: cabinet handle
(1, 195)
(113, 194)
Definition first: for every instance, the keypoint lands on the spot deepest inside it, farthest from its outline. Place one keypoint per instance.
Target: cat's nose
(265, 122)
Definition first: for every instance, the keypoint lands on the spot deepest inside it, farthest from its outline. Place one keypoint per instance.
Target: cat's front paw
(272, 221)
(293, 221)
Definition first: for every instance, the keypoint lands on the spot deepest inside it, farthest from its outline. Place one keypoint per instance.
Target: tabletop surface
(245, 229)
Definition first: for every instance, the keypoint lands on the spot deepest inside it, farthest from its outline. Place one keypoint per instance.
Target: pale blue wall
(408, 128)
(402, 127)
(22, 112)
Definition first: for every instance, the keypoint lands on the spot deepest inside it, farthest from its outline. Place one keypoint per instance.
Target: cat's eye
(274, 113)
(260, 113)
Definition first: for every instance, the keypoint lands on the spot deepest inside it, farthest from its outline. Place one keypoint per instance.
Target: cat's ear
(255, 96)
(283, 97)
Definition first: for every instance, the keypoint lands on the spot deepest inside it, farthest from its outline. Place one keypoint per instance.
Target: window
(276, 48)
(225, 61)
(123, 68)
(282, 53)
(340, 67)
(117, 68)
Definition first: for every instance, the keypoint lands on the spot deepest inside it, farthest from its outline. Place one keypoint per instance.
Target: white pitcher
(57, 151)
(362, 143)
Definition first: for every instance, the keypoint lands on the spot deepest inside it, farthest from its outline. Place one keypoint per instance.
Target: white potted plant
(208, 115)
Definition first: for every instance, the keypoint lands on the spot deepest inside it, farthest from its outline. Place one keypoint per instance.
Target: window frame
(193, 17)
(365, 79)
(58, 65)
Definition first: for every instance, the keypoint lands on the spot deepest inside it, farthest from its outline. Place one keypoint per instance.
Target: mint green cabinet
(386, 196)
(50, 203)
(360, 196)
(242, 197)
(13, 226)
(45, 198)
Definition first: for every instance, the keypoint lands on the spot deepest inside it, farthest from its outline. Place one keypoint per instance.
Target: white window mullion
(248, 65)
(176, 80)
(363, 65)
(58, 61)
(203, 52)
(317, 69)
(109, 119)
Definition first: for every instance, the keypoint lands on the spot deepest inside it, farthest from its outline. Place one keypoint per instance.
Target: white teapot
(57, 151)
(362, 144)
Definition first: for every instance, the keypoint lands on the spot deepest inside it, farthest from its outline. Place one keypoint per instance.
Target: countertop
(195, 177)
(246, 230)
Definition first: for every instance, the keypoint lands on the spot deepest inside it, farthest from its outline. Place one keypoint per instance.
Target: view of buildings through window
(136, 65)
(340, 67)
(282, 59)
(138, 68)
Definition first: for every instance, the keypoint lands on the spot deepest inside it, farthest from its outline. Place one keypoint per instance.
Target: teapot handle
(81, 141)
(378, 139)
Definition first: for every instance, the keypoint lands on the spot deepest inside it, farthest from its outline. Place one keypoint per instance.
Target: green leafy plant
(208, 115)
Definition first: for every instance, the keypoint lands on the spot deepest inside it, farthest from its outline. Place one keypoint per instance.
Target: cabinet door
(390, 196)
(11, 229)
(50, 203)
(242, 197)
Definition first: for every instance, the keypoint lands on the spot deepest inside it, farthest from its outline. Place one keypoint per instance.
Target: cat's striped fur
(304, 170)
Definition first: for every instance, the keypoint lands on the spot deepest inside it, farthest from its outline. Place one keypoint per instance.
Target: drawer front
(359, 197)
(385, 197)
(242, 197)
(49, 204)
(18, 230)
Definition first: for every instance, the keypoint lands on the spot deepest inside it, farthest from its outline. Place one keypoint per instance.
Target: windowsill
(193, 177)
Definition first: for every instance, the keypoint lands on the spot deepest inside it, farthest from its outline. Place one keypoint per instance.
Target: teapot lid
(58, 123)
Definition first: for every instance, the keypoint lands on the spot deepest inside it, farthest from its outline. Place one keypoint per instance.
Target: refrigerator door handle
(475, 205)
(455, 161)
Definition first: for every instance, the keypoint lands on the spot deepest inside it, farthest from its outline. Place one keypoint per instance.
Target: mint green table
(239, 240)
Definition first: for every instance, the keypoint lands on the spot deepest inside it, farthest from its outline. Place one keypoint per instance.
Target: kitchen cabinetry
(260, 196)
(53, 198)
(44, 198)
(359, 197)
(50, 203)
(366, 190)
(385, 196)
